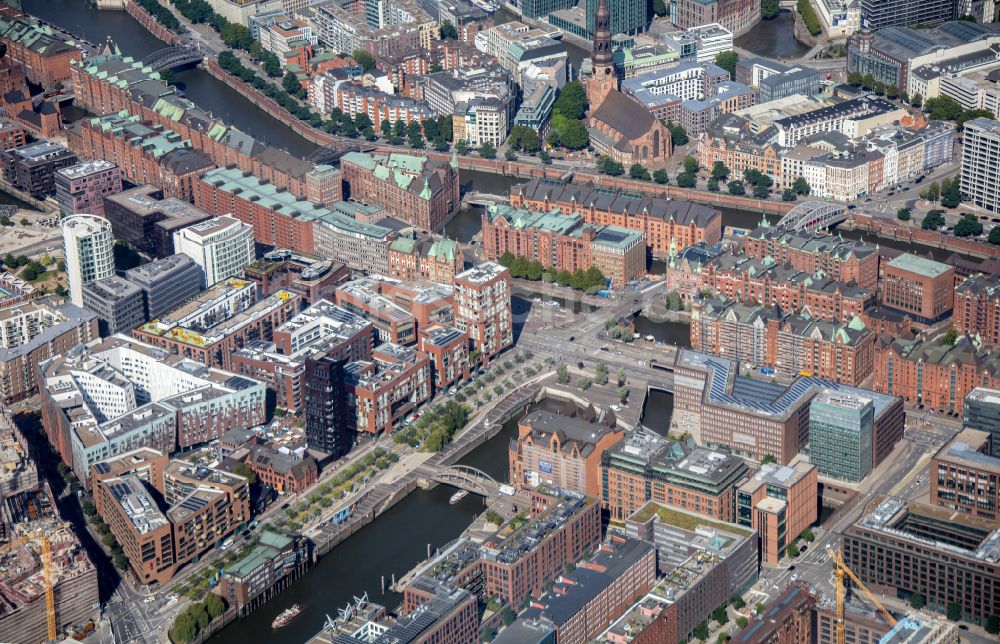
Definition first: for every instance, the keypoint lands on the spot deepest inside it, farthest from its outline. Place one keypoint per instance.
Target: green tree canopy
(933, 220)
(951, 193)
(574, 136)
(968, 115)
(736, 188)
(727, 60)
(638, 172)
(448, 30)
(364, 59)
(968, 226)
(609, 166)
(237, 36)
(678, 135)
(244, 470)
(524, 138)
(572, 101)
(214, 605)
(719, 170)
(943, 108)
(769, 9)
(487, 150)
(690, 164)
(660, 176)
(686, 180)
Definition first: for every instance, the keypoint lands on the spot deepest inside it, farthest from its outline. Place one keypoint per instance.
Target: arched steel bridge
(813, 215)
(469, 479)
(185, 53)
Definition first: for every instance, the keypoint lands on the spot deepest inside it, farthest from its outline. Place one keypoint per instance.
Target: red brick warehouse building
(42, 54)
(110, 84)
(670, 225)
(564, 243)
(844, 260)
(278, 217)
(146, 153)
(737, 277)
(932, 372)
(415, 189)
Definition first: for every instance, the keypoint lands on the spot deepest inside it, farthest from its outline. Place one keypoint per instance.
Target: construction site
(48, 585)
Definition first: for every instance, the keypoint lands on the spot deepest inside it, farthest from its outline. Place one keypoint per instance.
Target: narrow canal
(392, 544)
(773, 38)
(82, 18)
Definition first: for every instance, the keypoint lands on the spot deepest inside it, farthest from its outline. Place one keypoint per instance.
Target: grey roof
(624, 115)
(183, 161)
(726, 388)
(566, 600)
(682, 212)
(72, 317)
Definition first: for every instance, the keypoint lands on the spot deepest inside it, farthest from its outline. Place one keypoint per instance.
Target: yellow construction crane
(840, 570)
(50, 598)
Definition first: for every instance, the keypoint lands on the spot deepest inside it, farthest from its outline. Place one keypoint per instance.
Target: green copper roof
(443, 248)
(366, 161)
(404, 245)
(407, 162)
(919, 265)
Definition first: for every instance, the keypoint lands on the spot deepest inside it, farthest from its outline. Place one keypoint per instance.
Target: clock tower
(603, 80)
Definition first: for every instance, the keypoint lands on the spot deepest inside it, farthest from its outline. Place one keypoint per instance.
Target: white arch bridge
(465, 478)
(813, 215)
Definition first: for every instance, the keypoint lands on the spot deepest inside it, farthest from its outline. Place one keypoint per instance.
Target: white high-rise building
(981, 163)
(223, 247)
(88, 248)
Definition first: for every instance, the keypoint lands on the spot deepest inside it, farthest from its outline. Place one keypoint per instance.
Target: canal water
(667, 332)
(392, 544)
(657, 410)
(82, 18)
(774, 38)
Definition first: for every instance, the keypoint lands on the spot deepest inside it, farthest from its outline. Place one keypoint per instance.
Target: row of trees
(161, 14)
(199, 12)
(809, 17)
(946, 108)
(949, 191)
(448, 419)
(607, 165)
(196, 617)
(868, 82)
(230, 63)
(590, 280)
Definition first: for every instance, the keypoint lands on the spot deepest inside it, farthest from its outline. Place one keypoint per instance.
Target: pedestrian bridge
(484, 199)
(465, 478)
(181, 55)
(813, 215)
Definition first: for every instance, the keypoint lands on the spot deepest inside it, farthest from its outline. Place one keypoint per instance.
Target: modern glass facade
(982, 412)
(878, 14)
(840, 435)
(627, 16)
(542, 8)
